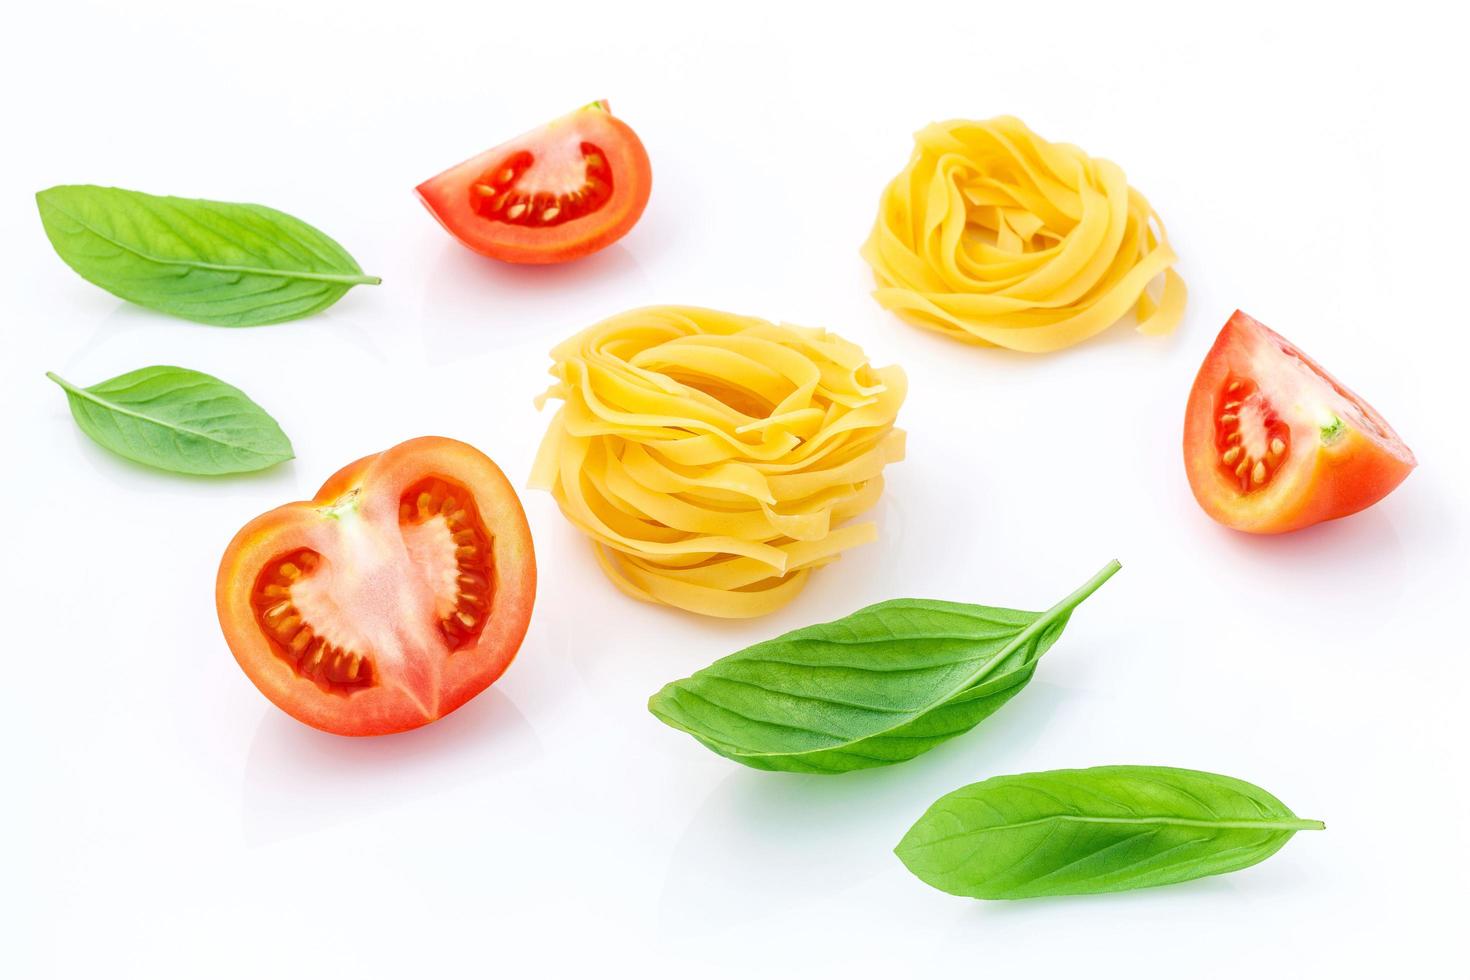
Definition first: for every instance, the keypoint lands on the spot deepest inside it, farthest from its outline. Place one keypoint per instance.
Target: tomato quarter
(1274, 443)
(399, 592)
(560, 192)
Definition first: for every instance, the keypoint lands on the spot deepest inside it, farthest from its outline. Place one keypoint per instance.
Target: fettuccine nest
(713, 458)
(994, 236)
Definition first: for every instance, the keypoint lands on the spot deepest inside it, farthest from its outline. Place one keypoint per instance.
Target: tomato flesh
(1252, 440)
(544, 192)
(398, 593)
(283, 588)
(566, 190)
(1273, 443)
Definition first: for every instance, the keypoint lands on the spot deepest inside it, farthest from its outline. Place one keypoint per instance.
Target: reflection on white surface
(299, 780)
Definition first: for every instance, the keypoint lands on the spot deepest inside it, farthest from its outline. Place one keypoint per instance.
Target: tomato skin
(364, 495)
(1324, 478)
(447, 195)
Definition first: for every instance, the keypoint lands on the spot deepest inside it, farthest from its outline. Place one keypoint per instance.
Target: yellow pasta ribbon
(994, 236)
(712, 458)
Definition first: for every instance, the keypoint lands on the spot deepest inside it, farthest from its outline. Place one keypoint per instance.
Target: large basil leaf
(880, 686)
(231, 265)
(1081, 831)
(178, 420)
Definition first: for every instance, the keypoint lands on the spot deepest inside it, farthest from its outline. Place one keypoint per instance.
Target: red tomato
(1274, 443)
(560, 192)
(398, 593)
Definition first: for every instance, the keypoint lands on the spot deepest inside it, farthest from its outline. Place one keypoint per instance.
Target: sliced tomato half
(1273, 443)
(399, 592)
(560, 192)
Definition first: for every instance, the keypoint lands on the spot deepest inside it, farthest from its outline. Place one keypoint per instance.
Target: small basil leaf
(1083, 831)
(880, 686)
(231, 265)
(178, 420)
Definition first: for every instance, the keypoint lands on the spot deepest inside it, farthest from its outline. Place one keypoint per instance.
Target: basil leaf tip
(178, 420)
(213, 262)
(880, 686)
(1087, 831)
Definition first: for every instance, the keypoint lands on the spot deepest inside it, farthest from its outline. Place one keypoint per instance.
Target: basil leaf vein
(1086, 831)
(880, 686)
(178, 420)
(213, 262)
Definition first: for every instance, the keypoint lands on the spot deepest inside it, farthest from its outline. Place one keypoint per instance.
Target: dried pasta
(994, 236)
(713, 458)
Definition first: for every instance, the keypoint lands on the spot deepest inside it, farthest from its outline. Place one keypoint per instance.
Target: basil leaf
(231, 265)
(178, 420)
(1083, 831)
(880, 686)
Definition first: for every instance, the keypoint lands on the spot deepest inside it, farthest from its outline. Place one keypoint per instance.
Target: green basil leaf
(880, 686)
(1083, 831)
(178, 420)
(231, 265)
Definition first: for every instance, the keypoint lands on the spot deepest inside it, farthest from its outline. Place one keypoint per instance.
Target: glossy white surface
(163, 820)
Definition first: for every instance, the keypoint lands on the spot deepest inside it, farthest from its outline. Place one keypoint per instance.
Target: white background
(161, 819)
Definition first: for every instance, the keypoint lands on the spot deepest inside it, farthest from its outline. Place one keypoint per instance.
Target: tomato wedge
(1273, 443)
(560, 192)
(399, 592)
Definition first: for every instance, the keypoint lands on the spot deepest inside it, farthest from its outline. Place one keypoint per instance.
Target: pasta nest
(994, 236)
(712, 457)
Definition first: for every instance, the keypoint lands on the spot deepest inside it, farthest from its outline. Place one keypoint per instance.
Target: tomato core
(444, 536)
(1252, 438)
(546, 191)
(331, 666)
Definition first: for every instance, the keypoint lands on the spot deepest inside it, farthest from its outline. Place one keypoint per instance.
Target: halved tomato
(560, 192)
(1274, 443)
(399, 592)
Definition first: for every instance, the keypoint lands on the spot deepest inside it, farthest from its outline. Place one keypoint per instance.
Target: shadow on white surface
(765, 843)
(509, 304)
(1279, 880)
(1216, 888)
(126, 322)
(299, 780)
(1356, 555)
